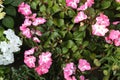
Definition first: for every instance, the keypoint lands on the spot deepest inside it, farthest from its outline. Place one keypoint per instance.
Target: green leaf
(82, 28)
(8, 1)
(117, 15)
(105, 4)
(50, 3)
(77, 55)
(59, 22)
(1, 31)
(118, 8)
(8, 22)
(85, 44)
(54, 35)
(70, 44)
(68, 36)
(61, 14)
(42, 8)
(49, 22)
(71, 13)
(16, 2)
(74, 48)
(79, 35)
(34, 5)
(58, 50)
(10, 10)
(56, 8)
(91, 12)
(64, 50)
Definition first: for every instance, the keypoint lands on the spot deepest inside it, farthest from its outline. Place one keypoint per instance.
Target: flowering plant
(62, 39)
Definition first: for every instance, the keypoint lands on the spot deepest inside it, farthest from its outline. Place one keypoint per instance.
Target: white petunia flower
(8, 48)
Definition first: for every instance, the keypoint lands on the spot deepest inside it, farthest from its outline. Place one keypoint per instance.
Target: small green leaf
(68, 36)
(77, 55)
(56, 8)
(117, 15)
(74, 48)
(1, 31)
(34, 5)
(10, 10)
(85, 44)
(71, 13)
(59, 22)
(82, 28)
(105, 4)
(79, 35)
(16, 2)
(8, 1)
(49, 22)
(42, 8)
(50, 3)
(70, 44)
(54, 35)
(61, 14)
(8, 22)
(64, 50)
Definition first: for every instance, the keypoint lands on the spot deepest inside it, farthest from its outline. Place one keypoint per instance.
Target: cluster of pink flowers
(44, 62)
(29, 59)
(81, 15)
(114, 37)
(73, 4)
(69, 69)
(87, 4)
(30, 20)
(100, 27)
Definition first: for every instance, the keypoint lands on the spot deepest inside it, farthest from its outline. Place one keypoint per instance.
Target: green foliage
(10, 10)
(8, 22)
(105, 4)
(67, 41)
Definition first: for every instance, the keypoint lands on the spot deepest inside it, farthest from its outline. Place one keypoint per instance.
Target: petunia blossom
(99, 30)
(38, 21)
(80, 17)
(45, 57)
(117, 41)
(35, 39)
(84, 65)
(41, 69)
(27, 33)
(27, 22)
(114, 34)
(29, 52)
(44, 63)
(102, 20)
(108, 40)
(69, 69)
(30, 61)
(86, 5)
(82, 77)
(72, 3)
(24, 9)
